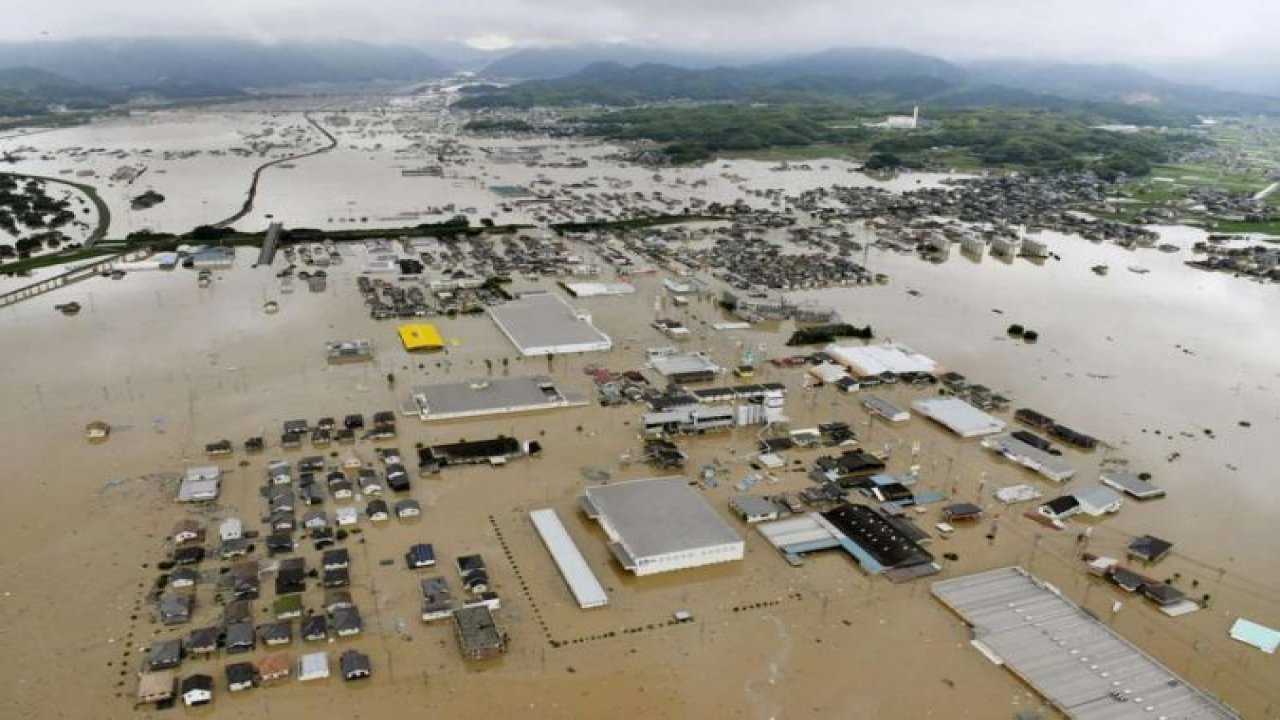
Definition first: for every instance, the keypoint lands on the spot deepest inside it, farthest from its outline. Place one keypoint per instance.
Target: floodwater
(172, 366)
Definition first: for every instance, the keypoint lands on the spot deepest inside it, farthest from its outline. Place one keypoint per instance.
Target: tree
(882, 161)
(1016, 330)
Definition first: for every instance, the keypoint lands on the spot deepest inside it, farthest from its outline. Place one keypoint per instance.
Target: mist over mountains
(93, 72)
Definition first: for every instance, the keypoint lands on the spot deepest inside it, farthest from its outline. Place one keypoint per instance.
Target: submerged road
(257, 173)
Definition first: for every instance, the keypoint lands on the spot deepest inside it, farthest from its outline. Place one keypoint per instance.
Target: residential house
(240, 637)
(155, 687)
(183, 577)
(276, 633)
(347, 622)
(287, 607)
(240, 676)
(175, 608)
(336, 558)
(377, 510)
(164, 655)
(1060, 508)
(336, 577)
(291, 576)
(234, 548)
(313, 666)
(315, 519)
(187, 530)
(315, 627)
(346, 516)
(273, 667)
(754, 509)
(335, 600)
(279, 472)
(437, 599)
(354, 665)
(397, 478)
(1098, 500)
(420, 556)
(202, 641)
(279, 542)
(341, 489)
(231, 529)
(408, 508)
(237, 611)
(188, 555)
(1149, 548)
(197, 690)
(367, 479)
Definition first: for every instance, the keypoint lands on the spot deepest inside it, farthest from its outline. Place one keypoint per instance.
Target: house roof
(275, 664)
(353, 661)
(1149, 547)
(152, 685)
(205, 637)
(197, 682)
(240, 672)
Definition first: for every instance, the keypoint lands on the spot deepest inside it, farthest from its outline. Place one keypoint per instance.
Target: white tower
(915, 117)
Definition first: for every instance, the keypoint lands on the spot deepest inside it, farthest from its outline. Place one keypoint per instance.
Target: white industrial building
(660, 525)
(768, 409)
(958, 416)
(573, 567)
(867, 360)
(1011, 448)
(544, 324)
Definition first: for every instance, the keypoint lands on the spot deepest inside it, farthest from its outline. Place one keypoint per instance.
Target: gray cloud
(1080, 30)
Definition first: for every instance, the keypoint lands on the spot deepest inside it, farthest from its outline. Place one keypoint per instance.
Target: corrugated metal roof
(573, 567)
(1073, 660)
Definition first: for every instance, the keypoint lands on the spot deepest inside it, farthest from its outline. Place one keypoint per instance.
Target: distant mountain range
(235, 64)
(98, 72)
(30, 91)
(886, 77)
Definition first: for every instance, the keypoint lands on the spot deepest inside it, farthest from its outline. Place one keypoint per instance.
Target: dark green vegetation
(1035, 140)
(26, 206)
(498, 125)
(26, 91)
(822, 334)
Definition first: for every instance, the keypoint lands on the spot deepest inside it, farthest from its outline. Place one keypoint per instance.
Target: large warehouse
(543, 324)
(661, 524)
(868, 360)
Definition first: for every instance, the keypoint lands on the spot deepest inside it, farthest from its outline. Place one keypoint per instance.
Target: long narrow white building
(573, 567)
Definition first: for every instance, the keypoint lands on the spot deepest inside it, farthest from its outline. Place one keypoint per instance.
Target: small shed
(231, 529)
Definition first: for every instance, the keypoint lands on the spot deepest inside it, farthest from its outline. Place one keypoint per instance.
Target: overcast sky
(1066, 29)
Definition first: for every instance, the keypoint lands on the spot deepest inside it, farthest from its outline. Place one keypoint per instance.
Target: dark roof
(240, 672)
(315, 626)
(1149, 547)
(960, 511)
(877, 536)
(354, 662)
(197, 682)
(1163, 593)
(469, 450)
(202, 638)
(164, 654)
(336, 556)
(1062, 504)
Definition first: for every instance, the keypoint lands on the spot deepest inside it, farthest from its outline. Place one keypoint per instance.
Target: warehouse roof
(544, 324)
(958, 416)
(1070, 658)
(658, 516)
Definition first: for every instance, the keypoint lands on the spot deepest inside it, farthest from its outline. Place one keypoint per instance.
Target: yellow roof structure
(421, 336)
